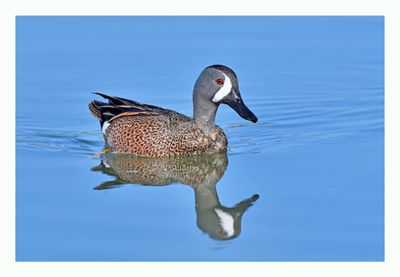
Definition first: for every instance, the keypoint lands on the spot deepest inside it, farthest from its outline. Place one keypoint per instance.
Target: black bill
(234, 100)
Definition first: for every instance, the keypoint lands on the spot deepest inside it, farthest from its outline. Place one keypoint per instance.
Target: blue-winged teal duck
(201, 172)
(147, 130)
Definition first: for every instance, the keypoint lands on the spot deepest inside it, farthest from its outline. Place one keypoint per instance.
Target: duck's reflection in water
(201, 172)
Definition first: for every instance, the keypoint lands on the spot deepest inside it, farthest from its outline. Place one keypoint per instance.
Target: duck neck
(204, 110)
(206, 196)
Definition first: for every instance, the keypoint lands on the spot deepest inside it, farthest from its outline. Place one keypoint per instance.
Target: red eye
(219, 81)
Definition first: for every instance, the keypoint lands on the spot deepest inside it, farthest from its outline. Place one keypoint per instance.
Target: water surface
(305, 183)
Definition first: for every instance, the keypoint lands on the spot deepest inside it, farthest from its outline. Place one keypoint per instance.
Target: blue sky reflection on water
(315, 158)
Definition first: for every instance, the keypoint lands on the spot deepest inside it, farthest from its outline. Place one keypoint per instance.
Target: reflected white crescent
(226, 221)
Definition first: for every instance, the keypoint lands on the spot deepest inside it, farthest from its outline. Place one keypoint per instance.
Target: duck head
(218, 84)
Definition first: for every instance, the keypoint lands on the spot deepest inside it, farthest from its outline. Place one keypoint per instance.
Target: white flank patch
(105, 126)
(106, 164)
(224, 91)
(226, 221)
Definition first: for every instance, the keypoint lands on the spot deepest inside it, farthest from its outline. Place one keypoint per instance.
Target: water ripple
(33, 137)
(284, 121)
(292, 121)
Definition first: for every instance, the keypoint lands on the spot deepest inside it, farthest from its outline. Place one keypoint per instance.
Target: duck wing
(120, 107)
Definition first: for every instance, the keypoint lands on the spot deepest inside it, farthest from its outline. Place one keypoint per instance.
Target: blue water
(310, 173)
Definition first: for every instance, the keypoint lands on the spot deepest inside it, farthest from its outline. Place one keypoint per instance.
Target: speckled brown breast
(161, 135)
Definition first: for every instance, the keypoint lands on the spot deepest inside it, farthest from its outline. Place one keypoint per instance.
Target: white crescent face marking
(224, 91)
(226, 221)
(105, 126)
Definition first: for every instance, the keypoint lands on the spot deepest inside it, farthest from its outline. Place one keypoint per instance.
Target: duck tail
(94, 108)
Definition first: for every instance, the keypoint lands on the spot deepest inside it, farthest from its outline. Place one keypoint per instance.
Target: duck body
(146, 130)
(164, 134)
